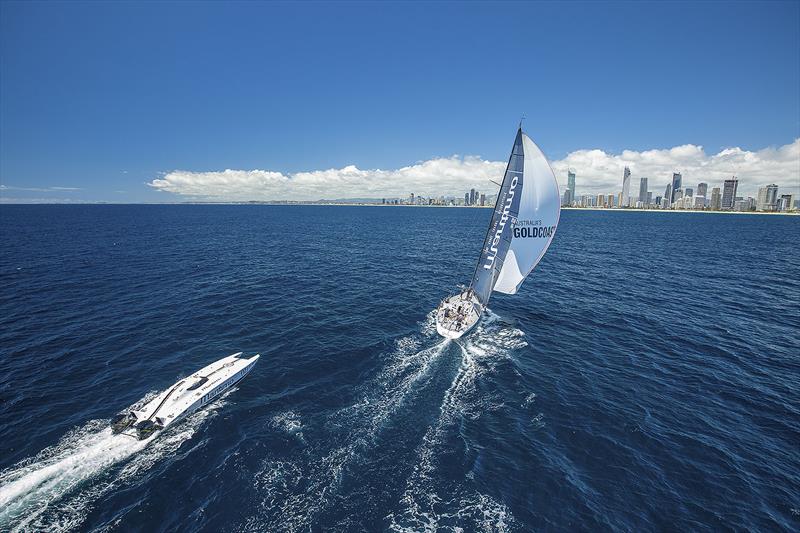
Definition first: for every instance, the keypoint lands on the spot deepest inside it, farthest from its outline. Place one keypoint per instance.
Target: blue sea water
(645, 378)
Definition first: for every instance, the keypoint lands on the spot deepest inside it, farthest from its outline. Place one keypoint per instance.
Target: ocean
(645, 378)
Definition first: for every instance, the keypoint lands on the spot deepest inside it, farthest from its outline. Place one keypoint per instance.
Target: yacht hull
(185, 397)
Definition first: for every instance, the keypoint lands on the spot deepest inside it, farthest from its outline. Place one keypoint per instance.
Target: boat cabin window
(199, 383)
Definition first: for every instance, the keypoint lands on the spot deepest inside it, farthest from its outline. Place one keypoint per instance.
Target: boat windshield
(199, 383)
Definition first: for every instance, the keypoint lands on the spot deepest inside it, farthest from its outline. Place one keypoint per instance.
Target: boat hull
(457, 315)
(185, 397)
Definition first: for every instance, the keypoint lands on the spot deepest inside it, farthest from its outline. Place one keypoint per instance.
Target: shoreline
(342, 204)
(704, 211)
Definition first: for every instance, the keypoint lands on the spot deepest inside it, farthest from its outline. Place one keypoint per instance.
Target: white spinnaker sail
(536, 222)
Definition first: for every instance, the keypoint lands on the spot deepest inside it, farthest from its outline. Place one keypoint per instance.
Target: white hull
(457, 315)
(186, 396)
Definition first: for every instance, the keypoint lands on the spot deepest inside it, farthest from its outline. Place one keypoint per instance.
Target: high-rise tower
(626, 186)
(767, 198)
(676, 184)
(729, 192)
(716, 199)
(643, 190)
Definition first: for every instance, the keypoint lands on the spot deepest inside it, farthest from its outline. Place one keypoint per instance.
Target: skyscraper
(483, 199)
(626, 185)
(716, 199)
(643, 190)
(688, 192)
(729, 192)
(668, 194)
(767, 198)
(569, 194)
(676, 184)
(702, 189)
(472, 197)
(466, 198)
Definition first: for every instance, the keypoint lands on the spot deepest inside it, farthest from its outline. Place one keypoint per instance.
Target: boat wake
(295, 493)
(431, 502)
(367, 438)
(53, 490)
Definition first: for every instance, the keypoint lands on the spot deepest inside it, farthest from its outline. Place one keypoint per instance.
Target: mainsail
(523, 222)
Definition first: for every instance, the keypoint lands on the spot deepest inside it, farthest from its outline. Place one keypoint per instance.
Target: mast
(494, 210)
(479, 274)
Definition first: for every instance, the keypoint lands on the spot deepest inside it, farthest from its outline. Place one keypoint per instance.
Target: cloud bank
(4, 188)
(597, 172)
(427, 178)
(600, 172)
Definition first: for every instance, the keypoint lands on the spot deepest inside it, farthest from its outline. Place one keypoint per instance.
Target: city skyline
(679, 195)
(684, 198)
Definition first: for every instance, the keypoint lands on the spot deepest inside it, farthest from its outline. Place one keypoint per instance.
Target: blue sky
(106, 97)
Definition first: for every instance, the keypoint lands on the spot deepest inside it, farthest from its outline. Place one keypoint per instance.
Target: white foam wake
(425, 507)
(407, 371)
(295, 492)
(53, 490)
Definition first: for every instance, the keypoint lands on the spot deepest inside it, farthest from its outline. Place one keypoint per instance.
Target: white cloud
(427, 178)
(601, 172)
(597, 171)
(39, 189)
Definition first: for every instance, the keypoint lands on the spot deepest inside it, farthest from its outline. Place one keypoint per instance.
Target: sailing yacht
(523, 224)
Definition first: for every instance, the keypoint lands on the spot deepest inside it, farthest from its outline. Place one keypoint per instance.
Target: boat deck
(190, 392)
(457, 314)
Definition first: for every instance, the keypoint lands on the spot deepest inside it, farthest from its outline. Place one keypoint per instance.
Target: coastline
(704, 211)
(356, 204)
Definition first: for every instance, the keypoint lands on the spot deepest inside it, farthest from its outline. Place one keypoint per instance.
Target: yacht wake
(53, 490)
(296, 492)
(429, 502)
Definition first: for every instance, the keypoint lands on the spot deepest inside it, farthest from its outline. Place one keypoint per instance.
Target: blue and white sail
(522, 226)
(523, 223)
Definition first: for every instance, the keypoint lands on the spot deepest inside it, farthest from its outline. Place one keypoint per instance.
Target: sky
(165, 102)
